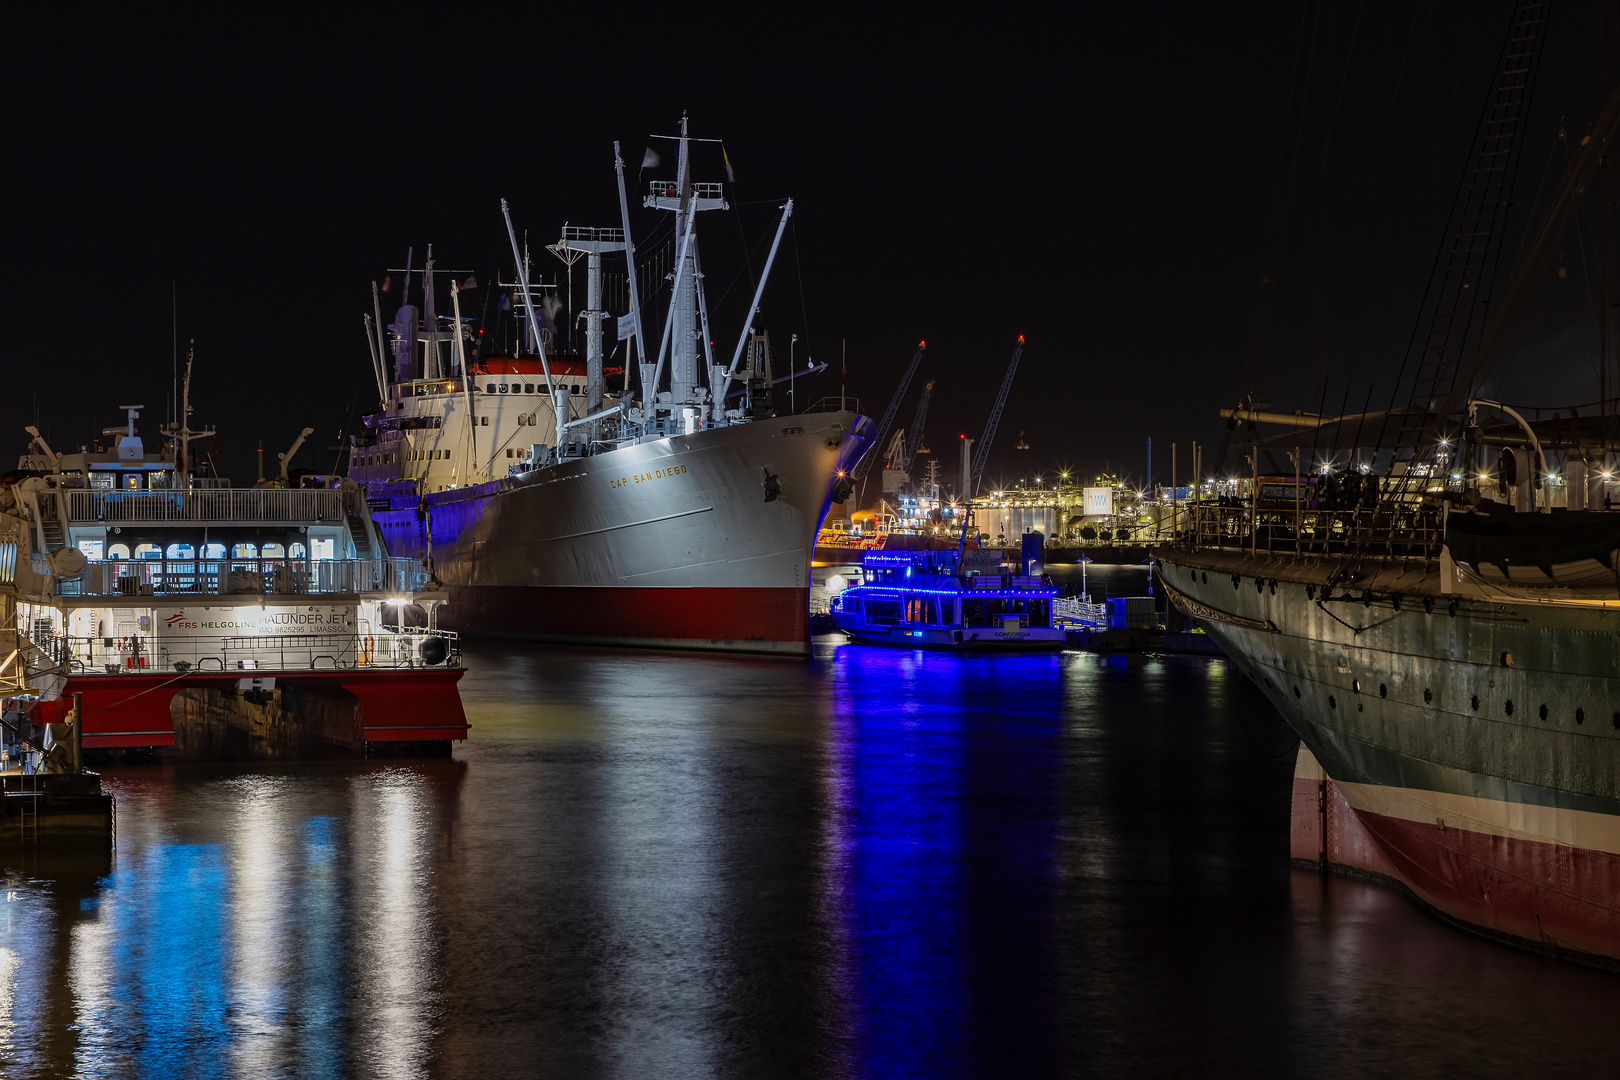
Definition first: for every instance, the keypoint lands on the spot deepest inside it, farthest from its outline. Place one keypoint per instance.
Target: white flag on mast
(627, 326)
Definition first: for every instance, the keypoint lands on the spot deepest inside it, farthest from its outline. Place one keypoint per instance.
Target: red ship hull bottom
(759, 620)
(1559, 897)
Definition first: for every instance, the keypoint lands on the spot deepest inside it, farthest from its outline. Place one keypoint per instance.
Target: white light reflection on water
(395, 940)
(258, 964)
(663, 883)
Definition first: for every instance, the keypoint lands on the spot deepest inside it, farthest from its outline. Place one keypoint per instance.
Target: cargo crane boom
(858, 474)
(982, 454)
(915, 439)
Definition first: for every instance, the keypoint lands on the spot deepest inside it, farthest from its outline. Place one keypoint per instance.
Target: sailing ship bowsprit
(679, 508)
(1443, 638)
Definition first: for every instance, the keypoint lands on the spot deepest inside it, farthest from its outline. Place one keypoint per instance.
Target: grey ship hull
(1477, 740)
(692, 541)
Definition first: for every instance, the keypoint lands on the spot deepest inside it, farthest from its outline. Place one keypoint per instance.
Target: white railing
(266, 653)
(232, 504)
(244, 577)
(1078, 613)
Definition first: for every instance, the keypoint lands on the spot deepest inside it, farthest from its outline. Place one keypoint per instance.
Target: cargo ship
(1438, 618)
(678, 508)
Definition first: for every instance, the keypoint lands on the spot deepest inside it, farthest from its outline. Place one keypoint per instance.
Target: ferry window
(132, 481)
(181, 551)
(244, 551)
(947, 611)
(148, 551)
(118, 551)
(490, 389)
(973, 612)
(523, 419)
(273, 551)
(544, 389)
(851, 603)
(102, 480)
(1038, 613)
(883, 611)
(508, 451)
(323, 547)
(295, 551)
(503, 388)
(528, 388)
(213, 551)
(91, 549)
(483, 421)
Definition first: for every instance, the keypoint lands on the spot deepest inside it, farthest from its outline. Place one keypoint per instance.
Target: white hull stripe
(1493, 817)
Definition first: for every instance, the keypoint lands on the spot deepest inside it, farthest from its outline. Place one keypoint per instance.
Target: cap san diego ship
(1440, 623)
(677, 509)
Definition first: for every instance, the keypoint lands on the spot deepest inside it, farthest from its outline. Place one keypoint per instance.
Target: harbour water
(877, 864)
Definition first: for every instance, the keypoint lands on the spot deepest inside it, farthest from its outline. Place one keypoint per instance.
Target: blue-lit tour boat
(939, 600)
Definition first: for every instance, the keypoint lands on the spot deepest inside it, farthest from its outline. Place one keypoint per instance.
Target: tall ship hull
(1475, 738)
(691, 541)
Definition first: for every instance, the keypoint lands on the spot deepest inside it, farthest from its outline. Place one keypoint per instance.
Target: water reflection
(881, 863)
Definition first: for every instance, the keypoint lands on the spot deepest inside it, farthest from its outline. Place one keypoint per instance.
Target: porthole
(1507, 706)
(1273, 586)
(1428, 605)
(1428, 696)
(1383, 691)
(1332, 704)
(1206, 577)
(528, 388)
(1236, 581)
(1617, 715)
(1473, 703)
(1617, 720)
(489, 389)
(1259, 586)
(1396, 600)
(503, 388)
(1580, 715)
(1355, 686)
(1451, 609)
(1310, 592)
(1544, 711)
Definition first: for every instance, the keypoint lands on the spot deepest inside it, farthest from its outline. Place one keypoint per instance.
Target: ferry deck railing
(244, 577)
(1381, 530)
(230, 504)
(246, 653)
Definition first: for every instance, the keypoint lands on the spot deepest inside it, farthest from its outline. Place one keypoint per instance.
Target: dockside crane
(982, 454)
(864, 466)
(914, 441)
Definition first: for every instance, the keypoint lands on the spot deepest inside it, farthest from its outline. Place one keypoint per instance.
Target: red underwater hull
(1561, 897)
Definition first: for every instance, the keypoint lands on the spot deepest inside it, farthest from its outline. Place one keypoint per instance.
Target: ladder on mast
(1464, 274)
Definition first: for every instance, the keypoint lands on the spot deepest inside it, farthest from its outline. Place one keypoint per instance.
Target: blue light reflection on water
(949, 856)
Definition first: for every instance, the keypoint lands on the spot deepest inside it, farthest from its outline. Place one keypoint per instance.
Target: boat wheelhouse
(936, 600)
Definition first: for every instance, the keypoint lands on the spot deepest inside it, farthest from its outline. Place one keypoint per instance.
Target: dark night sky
(1111, 184)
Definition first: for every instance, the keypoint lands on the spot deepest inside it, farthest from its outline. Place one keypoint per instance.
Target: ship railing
(245, 655)
(244, 577)
(834, 404)
(231, 504)
(1074, 611)
(1383, 529)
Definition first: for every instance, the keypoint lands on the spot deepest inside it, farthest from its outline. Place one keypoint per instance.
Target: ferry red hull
(133, 710)
(759, 619)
